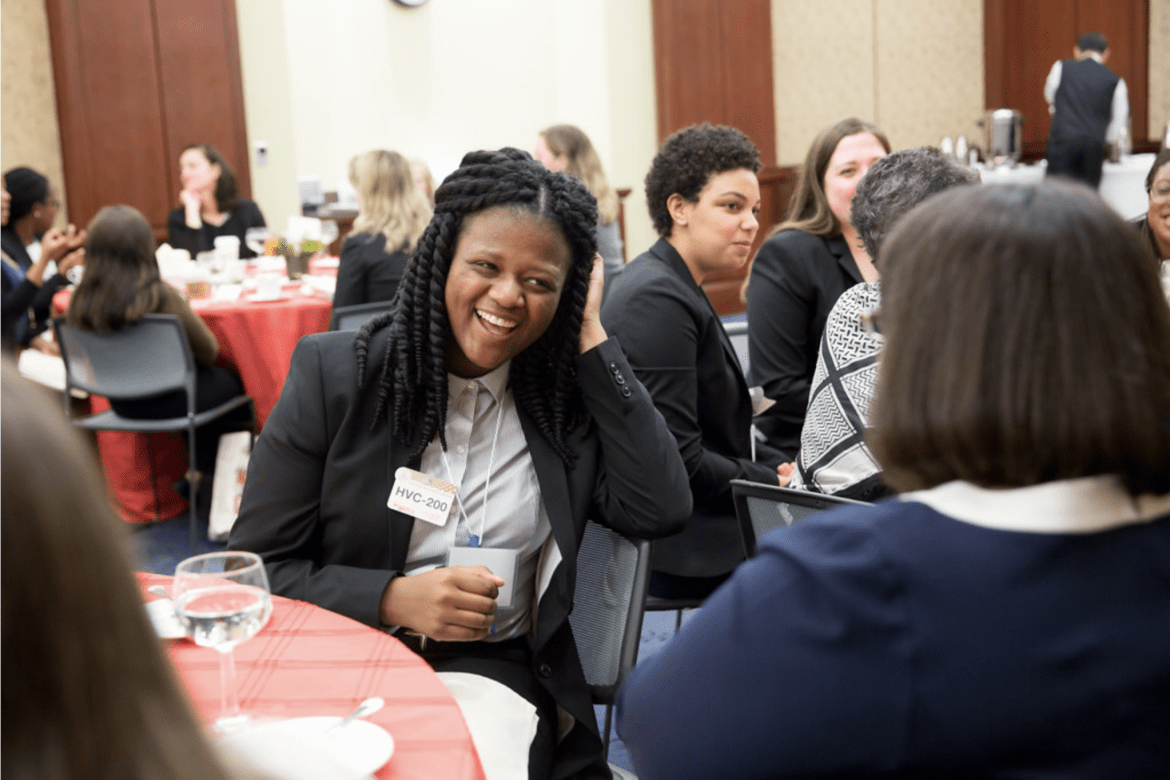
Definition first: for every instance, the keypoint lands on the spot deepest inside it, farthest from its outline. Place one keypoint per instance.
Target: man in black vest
(1089, 105)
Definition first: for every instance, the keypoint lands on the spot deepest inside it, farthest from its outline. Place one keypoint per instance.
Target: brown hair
(583, 164)
(392, 203)
(809, 208)
(87, 688)
(121, 281)
(227, 191)
(1027, 341)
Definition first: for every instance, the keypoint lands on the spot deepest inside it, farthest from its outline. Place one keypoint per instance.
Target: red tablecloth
(310, 661)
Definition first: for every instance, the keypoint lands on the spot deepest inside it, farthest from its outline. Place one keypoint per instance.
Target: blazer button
(544, 670)
(617, 377)
(614, 367)
(626, 392)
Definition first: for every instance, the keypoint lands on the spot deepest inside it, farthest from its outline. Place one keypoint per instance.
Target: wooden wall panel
(202, 92)
(136, 81)
(1023, 38)
(713, 63)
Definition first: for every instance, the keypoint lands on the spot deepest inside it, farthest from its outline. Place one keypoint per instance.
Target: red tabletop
(309, 661)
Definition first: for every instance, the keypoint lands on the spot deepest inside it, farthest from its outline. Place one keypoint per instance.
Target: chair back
(353, 317)
(612, 577)
(761, 508)
(146, 359)
(737, 331)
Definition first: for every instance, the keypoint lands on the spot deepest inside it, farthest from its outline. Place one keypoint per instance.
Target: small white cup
(269, 286)
(227, 247)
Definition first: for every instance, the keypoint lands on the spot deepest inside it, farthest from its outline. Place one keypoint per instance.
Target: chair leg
(678, 621)
(153, 476)
(193, 479)
(608, 723)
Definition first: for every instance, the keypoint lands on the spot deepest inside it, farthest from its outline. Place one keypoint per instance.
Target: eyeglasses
(1160, 192)
(871, 323)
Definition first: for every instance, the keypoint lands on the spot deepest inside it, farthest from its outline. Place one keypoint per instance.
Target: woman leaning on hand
(703, 198)
(212, 205)
(801, 269)
(393, 214)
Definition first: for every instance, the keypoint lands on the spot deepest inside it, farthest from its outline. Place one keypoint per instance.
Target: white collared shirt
(511, 515)
(1072, 506)
(1120, 106)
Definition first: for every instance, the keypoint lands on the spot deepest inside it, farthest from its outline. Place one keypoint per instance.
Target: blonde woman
(566, 149)
(393, 214)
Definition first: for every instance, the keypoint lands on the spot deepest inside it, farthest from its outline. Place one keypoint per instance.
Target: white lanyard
(476, 540)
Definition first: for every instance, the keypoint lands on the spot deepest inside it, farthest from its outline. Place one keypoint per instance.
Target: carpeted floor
(158, 547)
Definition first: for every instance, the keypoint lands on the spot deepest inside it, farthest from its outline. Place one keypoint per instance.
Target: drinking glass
(255, 237)
(222, 599)
(329, 233)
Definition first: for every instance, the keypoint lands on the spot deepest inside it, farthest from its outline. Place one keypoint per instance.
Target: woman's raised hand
(592, 333)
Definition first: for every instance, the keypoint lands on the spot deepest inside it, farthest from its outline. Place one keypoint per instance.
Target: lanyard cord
(477, 541)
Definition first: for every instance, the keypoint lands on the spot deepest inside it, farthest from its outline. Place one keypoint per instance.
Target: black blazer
(314, 505)
(681, 353)
(795, 280)
(367, 272)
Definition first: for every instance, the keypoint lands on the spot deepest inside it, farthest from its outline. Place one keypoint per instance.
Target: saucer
(361, 748)
(257, 298)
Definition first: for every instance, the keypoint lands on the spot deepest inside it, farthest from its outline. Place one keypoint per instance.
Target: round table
(309, 661)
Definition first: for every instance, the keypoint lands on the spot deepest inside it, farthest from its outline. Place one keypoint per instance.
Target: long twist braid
(412, 377)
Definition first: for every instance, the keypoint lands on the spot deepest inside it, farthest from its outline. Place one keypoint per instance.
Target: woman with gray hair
(833, 457)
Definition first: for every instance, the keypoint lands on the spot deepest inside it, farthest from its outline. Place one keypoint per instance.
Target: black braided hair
(412, 377)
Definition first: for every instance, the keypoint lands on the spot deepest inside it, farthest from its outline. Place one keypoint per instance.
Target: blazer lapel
(400, 524)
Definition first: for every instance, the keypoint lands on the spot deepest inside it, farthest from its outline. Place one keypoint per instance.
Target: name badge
(418, 495)
(503, 563)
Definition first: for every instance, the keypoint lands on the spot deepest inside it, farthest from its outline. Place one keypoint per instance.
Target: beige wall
(913, 67)
(1159, 67)
(28, 105)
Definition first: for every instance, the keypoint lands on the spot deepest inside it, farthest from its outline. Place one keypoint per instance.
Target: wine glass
(255, 237)
(222, 599)
(329, 233)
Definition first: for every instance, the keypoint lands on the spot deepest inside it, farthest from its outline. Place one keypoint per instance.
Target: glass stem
(229, 702)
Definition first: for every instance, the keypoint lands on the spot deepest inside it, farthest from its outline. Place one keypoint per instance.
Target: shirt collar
(495, 382)
(1095, 56)
(1073, 506)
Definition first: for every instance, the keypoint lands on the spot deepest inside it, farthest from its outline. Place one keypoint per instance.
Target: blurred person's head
(1092, 41)
(204, 170)
(839, 157)
(1157, 226)
(5, 203)
(389, 199)
(121, 280)
(566, 149)
(897, 183)
(33, 203)
(423, 178)
(1026, 341)
(501, 273)
(88, 691)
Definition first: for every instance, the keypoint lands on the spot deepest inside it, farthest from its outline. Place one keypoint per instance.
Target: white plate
(162, 617)
(266, 298)
(301, 744)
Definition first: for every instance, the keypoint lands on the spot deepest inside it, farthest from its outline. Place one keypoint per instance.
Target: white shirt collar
(1073, 506)
(1095, 56)
(495, 381)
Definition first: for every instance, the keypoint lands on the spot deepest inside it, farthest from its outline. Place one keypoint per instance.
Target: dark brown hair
(227, 191)
(121, 281)
(88, 691)
(1028, 341)
(809, 208)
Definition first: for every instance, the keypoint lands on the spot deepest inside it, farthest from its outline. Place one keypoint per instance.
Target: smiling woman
(493, 378)
(703, 198)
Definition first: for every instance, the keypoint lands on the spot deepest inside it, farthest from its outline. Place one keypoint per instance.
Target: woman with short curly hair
(492, 385)
(703, 198)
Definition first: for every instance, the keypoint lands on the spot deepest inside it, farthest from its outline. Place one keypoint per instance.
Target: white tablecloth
(1123, 184)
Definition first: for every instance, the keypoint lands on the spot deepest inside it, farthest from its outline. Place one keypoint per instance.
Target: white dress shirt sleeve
(1117, 121)
(1051, 84)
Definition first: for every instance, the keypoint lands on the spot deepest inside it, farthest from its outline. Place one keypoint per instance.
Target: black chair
(144, 360)
(353, 317)
(737, 331)
(612, 576)
(761, 508)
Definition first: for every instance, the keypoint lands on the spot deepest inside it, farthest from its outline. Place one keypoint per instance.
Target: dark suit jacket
(367, 272)
(681, 353)
(795, 280)
(314, 505)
